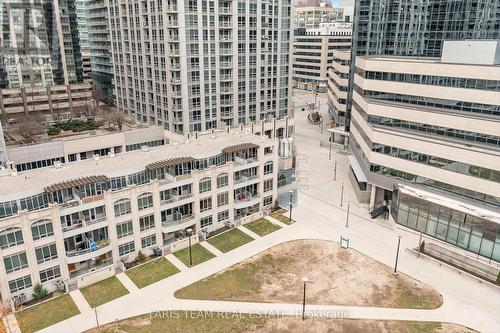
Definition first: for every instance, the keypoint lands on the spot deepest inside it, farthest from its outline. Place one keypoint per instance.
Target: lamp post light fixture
(305, 280)
(291, 202)
(189, 231)
(397, 255)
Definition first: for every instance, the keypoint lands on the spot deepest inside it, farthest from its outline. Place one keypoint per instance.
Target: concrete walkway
(318, 216)
(10, 323)
(211, 248)
(274, 221)
(249, 232)
(176, 262)
(127, 283)
(80, 300)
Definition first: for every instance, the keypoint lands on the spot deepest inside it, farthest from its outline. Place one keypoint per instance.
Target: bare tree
(114, 117)
(31, 125)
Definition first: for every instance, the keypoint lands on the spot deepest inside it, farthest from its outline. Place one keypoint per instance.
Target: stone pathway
(176, 262)
(80, 300)
(127, 282)
(249, 232)
(211, 248)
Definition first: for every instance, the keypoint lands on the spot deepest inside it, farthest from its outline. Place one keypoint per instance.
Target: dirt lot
(202, 322)
(338, 276)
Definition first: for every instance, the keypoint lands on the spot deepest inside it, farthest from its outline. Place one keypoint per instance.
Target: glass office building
(478, 234)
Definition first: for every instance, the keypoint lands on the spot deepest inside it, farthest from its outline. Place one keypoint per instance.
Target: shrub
(422, 247)
(53, 131)
(140, 257)
(39, 292)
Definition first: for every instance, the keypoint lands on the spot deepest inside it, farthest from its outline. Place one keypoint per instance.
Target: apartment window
(42, 229)
(223, 216)
(268, 150)
(126, 248)
(222, 199)
(11, 237)
(205, 204)
(124, 229)
(268, 168)
(147, 222)
(148, 240)
(205, 185)
(268, 185)
(206, 221)
(46, 253)
(50, 274)
(19, 284)
(222, 180)
(15, 262)
(145, 201)
(122, 207)
(268, 200)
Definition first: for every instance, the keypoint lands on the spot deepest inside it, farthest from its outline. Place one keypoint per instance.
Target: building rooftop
(33, 181)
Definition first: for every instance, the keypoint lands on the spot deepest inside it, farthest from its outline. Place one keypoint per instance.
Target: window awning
(356, 168)
(169, 162)
(75, 183)
(241, 146)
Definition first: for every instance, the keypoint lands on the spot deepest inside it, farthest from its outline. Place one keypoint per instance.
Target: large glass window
(148, 241)
(50, 274)
(147, 222)
(144, 201)
(42, 229)
(19, 284)
(122, 207)
(205, 185)
(46, 253)
(15, 262)
(222, 199)
(222, 180)
(124, 229)
(126, 248)
(11, 237)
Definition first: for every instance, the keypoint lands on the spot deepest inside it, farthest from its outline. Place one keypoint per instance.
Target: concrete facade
(193, 66)
(138, 201)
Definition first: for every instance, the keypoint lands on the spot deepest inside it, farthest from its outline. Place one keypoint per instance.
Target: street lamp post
(291, 202)
(304, 280)
(397, 255)
(347, 219)
(342, 195)
(189, 230)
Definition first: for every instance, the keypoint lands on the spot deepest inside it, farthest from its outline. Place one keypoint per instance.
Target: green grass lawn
(151, 272)
(262, 227)
(283, 217)
(199, 254)
(46, 314)
(230, 240)
(103, 291)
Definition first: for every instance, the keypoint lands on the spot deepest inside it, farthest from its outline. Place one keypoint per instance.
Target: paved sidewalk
(80, 300)
(127, 283)
(211, 248)
(249, 232)
(274, 221)
(176, 262)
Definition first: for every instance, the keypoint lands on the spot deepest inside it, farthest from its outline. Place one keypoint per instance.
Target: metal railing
(100, 245)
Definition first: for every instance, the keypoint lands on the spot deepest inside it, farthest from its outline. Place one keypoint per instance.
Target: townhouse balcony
(244, 199)
(226, 77)
(245, 161)
(171, 9)
(176, 198)
(226, 65)
(172, 178)
(82, 223)
(175, 81)
(225, 24)
(224, 11)
(100, 248)
(173, 223)
(244, 179)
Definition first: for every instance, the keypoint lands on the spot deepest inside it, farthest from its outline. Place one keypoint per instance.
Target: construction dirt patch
(338, 276)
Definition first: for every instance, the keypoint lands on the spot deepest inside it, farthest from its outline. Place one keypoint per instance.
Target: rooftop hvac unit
(57, 164)
(145, 148)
